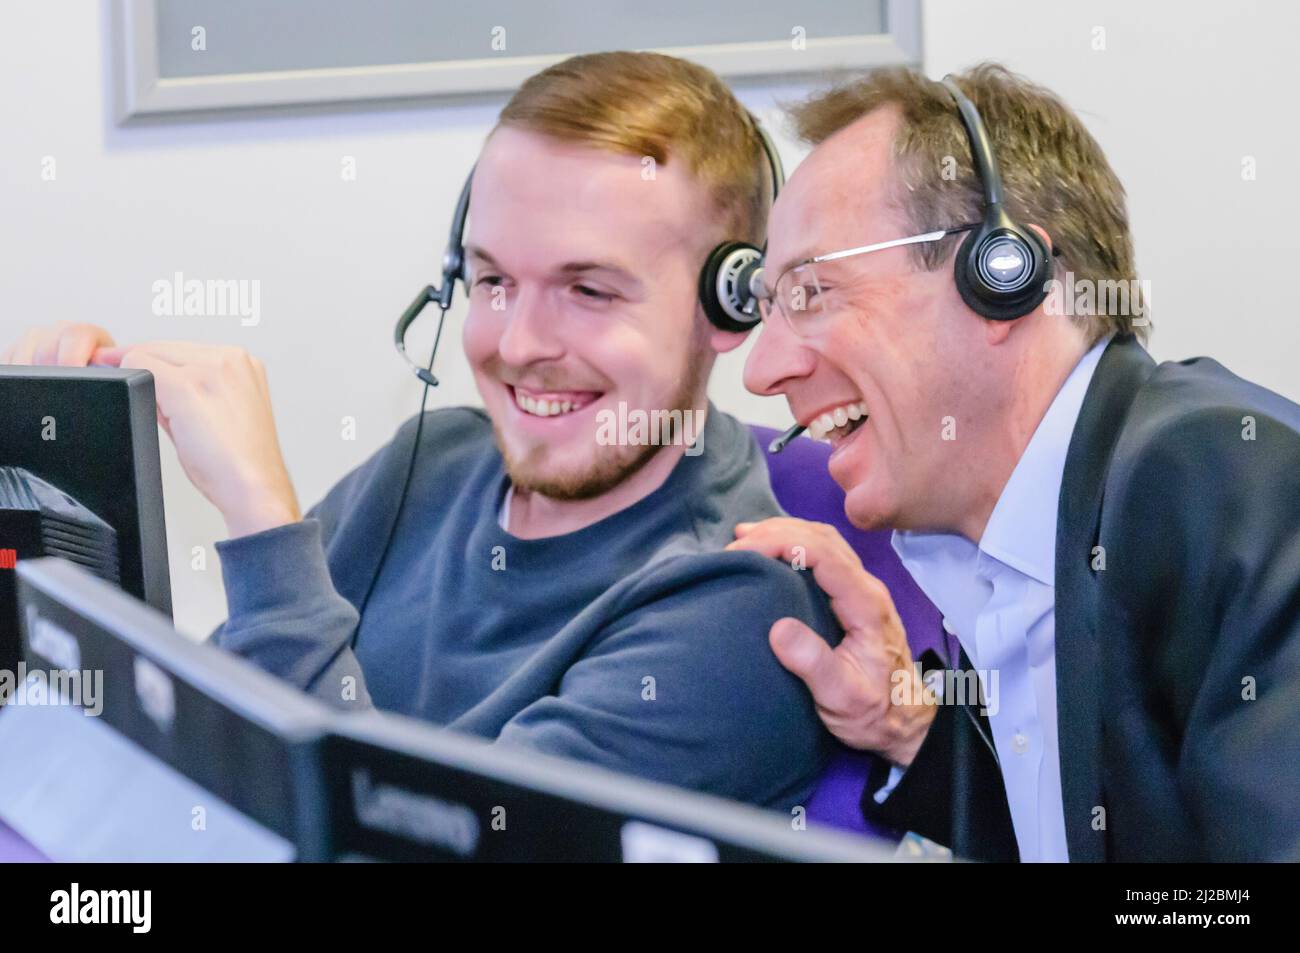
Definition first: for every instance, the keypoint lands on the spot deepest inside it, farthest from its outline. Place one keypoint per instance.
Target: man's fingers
(10, 354)
(47, 348)
(78, 343)
(67, 344)
(74, 351)
(171, 385)
(767, 537)
(860, 601)
(794, 540)
(176, 354)
(24, 349)
(157, 352)
(182, 353)
(109, 356)
(805, 653)
(163, 370)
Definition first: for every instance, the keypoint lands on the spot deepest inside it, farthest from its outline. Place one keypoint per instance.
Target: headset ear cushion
(724, 292)
(986, 302)
(961, 271)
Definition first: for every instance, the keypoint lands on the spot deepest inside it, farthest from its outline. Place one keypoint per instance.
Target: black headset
(727, 290)
(1002, 268)
(729, 279)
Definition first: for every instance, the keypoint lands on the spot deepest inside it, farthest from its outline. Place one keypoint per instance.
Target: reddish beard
(611, 465)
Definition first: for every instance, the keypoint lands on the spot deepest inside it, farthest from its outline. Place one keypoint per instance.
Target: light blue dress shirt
(999, 600)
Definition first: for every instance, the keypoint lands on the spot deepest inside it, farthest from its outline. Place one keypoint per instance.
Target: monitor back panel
(216, 721)
(93, 433)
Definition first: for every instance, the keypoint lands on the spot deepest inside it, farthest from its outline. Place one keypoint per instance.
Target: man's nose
(777, 359)
(530, 333)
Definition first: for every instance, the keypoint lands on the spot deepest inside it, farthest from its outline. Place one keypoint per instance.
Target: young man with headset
(1117, 541)
(507, 572)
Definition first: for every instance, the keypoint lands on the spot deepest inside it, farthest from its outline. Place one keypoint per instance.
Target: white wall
(1182, 91)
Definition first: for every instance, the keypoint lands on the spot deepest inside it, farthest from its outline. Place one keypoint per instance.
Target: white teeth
(542, 407)
(821, 427)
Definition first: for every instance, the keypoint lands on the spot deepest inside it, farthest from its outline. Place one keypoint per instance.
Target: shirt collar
(1021, 531)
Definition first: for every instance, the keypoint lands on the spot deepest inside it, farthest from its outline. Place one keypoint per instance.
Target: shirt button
(1020, 743)
(947, 627)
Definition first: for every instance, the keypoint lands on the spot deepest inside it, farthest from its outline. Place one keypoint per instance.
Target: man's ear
(724, 341)
(1042, 233)
(995, 332)
(719, 341)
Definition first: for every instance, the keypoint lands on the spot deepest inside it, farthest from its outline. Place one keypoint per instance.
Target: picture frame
(149, 90)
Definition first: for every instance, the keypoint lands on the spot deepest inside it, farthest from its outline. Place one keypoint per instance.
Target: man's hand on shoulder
(853, 683)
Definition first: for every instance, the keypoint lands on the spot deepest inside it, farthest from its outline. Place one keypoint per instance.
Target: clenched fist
(214, 404)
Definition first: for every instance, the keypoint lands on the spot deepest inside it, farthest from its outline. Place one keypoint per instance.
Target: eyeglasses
(806, 301)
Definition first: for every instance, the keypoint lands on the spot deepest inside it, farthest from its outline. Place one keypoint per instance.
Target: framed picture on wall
(178, 57)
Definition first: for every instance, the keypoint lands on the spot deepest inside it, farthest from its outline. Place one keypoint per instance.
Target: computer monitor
(127, 741)
(178, 726)
(403, 790)
(79, 478)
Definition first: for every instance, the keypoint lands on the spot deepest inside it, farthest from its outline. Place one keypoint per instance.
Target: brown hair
(1053, 172)
(648, 104)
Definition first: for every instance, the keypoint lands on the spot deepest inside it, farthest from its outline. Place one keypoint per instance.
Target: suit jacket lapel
(1124, 366)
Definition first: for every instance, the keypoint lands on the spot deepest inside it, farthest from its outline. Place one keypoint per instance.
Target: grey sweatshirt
(634, 643)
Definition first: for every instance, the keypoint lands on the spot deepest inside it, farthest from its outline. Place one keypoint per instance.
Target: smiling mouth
(837, 424)
(551, 403)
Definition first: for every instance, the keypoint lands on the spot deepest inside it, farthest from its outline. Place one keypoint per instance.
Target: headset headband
(724, 285)
(981, 149)
(453, 260)
(1002, 268)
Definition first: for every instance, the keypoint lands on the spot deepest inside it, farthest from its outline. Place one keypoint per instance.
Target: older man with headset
(1114, 544)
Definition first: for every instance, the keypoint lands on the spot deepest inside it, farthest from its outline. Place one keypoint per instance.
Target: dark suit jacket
(1177, 634)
